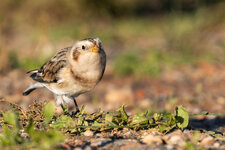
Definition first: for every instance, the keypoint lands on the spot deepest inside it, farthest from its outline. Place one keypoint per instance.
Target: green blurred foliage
(15, 136)
(152, 33)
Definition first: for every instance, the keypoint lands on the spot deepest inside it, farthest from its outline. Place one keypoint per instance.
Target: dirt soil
(198, 89)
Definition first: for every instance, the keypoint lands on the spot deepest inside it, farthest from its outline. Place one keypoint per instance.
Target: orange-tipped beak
(95, 49)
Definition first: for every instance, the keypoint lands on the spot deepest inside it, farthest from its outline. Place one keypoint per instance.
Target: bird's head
(88, 46)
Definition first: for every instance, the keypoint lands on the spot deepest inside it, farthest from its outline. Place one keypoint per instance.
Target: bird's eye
(83, 47)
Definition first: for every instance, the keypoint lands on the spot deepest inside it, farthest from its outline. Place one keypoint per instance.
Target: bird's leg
(76, 106)
(65, 110)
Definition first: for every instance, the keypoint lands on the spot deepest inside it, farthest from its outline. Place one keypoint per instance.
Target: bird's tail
(28, 91)
(32, 87)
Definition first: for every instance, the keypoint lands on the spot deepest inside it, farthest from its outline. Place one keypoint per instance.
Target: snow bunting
(71, 72)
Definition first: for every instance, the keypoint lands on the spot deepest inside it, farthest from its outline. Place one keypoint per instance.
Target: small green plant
(41, 128)
(16, 136)
(103, 121)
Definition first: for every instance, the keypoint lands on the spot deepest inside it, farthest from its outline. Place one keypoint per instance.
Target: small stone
(207, 141)
(88, 148)
(77, 148)
(169, 146)
(186, 131)
(98, 135)
(152, 140)
(99, 142)
(175, 140)
(88, 133)
(216, 145)
(127, 134)
(96, 143)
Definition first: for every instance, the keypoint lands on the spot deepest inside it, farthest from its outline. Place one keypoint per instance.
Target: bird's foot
(74, 113)
(67, 114)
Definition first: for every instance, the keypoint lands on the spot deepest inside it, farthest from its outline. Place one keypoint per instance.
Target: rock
(216, 145)
(152, 140)
(127, 134)
(88, 148)
(169, 147)
(98, 135)
(176, 140)
(207, 141)
(186, 131)
(99, 142)
(88, 133)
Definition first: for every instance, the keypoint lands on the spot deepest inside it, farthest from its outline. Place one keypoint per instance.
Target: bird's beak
(96, 47)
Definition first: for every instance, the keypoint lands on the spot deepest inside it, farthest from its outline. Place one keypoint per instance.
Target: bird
(74, 70)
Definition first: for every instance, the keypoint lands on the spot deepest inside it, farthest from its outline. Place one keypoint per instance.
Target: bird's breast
(81, 76)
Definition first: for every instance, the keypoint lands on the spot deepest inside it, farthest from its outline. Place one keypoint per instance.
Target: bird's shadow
(216, 124)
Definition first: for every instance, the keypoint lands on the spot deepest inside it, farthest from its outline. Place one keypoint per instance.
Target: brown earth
(199, 88)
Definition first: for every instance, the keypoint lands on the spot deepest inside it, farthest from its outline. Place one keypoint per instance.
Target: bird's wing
(48, 72)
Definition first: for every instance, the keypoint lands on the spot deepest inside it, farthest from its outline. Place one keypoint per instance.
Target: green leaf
(108, 118)
(123, 113)
(97, 126)
(164, 128)
(46, 140)
(139, 119)
(171, 119)
(11, 118)
(156, 116)
(63, 122)
(80, 120)
(30, 127)
(82, 111)
(182, 117)
(48, 111)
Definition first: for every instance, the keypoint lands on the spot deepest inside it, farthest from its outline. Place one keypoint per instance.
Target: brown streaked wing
(48, 72)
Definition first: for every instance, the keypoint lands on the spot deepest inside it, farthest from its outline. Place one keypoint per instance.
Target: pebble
(216, 145)
(207, 141)
(127, 134)
(88, 148)
(169, 147)
(99, 142)
(77, 148)
(88, 133)
(152, 140)
(98, 135)
(176, 140)
(186, 131)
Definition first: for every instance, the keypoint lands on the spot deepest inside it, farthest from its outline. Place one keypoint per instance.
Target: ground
(164, 82)
(198, 89)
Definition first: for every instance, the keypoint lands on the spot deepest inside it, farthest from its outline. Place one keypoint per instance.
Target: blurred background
(161, 53)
